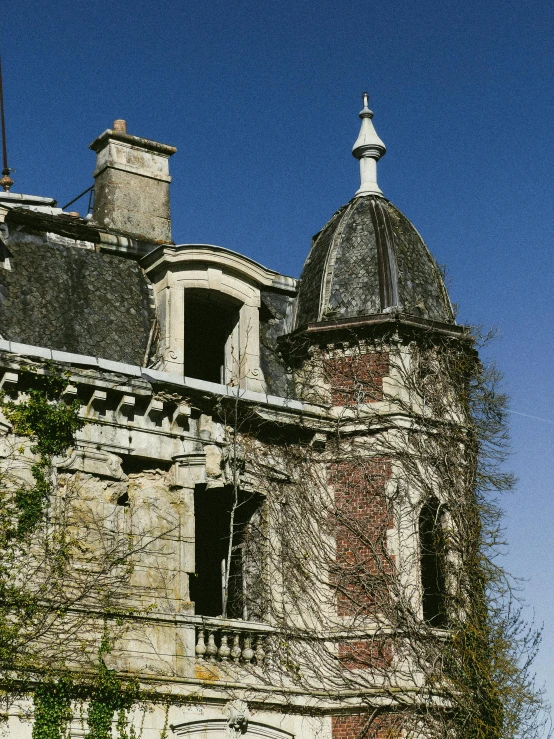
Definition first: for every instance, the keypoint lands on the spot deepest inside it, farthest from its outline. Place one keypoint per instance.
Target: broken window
(432, 549)
(229, 554)
(211, 350)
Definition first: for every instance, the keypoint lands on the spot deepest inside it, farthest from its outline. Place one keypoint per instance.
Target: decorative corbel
(239, 715)
(9, 381)
(126, 407)
(181, 416)
(97, 403)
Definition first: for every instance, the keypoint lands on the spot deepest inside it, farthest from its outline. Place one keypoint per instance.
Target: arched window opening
(211, 342)
(222, 585)
(432, 551)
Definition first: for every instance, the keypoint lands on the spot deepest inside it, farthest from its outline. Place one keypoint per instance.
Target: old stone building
(231, 412)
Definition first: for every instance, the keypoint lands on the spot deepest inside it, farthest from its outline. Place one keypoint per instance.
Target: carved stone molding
(219, 729)
(94, 461)
(188, 470)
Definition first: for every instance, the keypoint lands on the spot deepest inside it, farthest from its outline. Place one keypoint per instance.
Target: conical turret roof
(369, 259)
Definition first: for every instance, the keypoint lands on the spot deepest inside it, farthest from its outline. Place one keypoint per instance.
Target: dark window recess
(240, 595)
(433, 580)
(209, 322)
(124, 500)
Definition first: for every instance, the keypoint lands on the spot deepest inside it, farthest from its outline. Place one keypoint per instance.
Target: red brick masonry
(357, 378)
(363, 515)
(385, 726)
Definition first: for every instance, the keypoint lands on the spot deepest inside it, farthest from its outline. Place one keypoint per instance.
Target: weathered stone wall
(187, 715)
(136, 205)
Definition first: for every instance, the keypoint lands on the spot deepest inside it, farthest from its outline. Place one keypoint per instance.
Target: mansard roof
(68, 285)
(58, 291)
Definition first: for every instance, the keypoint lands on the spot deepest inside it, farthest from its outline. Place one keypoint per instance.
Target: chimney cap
(113, 135)
(120, 125)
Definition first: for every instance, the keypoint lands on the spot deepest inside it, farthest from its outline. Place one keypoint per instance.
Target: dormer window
(208, 306)
(212, 341)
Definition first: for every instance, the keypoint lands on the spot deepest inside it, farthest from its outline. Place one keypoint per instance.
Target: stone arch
(220, 729)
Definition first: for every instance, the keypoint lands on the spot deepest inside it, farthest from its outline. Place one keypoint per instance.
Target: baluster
(247, 652)
(224, 648)
(200, 648)
(211, 647)
(269, 644)
(259, 653)
(235, 649)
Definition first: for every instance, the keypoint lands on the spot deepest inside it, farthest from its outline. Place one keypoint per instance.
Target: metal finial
(6, 181)
(366, 112)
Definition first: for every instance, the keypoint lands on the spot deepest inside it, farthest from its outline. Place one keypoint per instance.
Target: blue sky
(261, 100)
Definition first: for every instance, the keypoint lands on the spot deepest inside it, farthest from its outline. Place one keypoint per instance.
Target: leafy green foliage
(44, 416)
(109, 696)
(51, 424)
(52, 709)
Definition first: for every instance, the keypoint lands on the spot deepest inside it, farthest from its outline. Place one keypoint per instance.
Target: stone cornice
(136, 141)
(383, 320)
(183, 256)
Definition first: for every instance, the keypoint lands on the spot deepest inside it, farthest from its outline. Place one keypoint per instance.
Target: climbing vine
(43, 530)
(53, 714)
(448, 647)
(51, 424)
(110, 697)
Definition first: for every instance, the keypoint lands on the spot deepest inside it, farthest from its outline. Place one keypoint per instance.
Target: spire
(6, 181)
(368, 149)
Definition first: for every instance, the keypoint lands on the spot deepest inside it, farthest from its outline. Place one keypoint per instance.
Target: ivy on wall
(109, 696)
(53, 714)
(51, 424)
(42, 415)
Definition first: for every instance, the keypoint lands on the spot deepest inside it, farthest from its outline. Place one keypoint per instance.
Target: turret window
(432, 552)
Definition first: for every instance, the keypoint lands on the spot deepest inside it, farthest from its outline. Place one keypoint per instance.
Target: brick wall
(356, 378)
(364, 654)
(363, 516)
(384, 726)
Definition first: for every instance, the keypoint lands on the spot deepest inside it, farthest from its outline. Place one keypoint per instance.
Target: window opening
(212, 510)
(123, 500)
(432, 548)
(210, 341)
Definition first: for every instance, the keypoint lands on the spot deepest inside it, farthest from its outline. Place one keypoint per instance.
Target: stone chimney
(131, 190)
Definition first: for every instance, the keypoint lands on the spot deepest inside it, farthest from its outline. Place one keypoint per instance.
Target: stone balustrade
(239, 642)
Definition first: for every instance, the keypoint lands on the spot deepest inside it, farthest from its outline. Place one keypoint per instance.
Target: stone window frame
(445, 560)
(174, 269)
